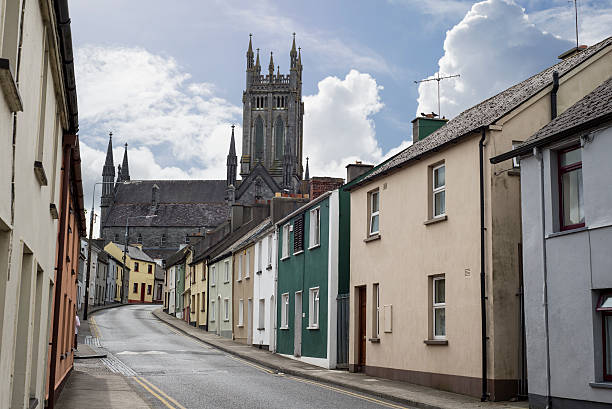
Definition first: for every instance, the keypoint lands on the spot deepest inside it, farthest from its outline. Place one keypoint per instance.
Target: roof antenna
(438, 78)
(576, 13)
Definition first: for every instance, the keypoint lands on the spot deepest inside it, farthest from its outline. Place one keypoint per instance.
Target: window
(226, 309)
(605, 307)
(241, 313)
(315, 227)
(213, 276)
(376, 318)
(259, 139)
(262, 314)
(279, 138)
(240, 267)
(150, 269)
(135, 288)
(135, 266)
(439, 308)
(374, 212)
(139, 238)
(259, 246)
(203, 301)
(163, 240)
(270, 251)
(226, 271)
(286, 241)
(570, 188)
(149, 289)
(203, 268)
(439, 190)
(313, 309)
(247, 270)
(285, 311)
(212, 311)
(298, 234)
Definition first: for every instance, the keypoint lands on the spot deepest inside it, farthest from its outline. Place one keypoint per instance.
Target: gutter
(483, 297)
(553, 95)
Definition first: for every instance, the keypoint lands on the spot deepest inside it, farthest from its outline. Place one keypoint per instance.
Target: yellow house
(141, 273)
(198, 294)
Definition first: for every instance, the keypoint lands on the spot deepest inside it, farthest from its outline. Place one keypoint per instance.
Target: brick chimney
(320, 185)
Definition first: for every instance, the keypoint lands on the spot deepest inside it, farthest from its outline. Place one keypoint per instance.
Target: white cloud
(338, 124)
(492, 48)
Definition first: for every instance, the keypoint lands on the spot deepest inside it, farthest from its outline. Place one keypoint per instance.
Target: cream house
(436, 272)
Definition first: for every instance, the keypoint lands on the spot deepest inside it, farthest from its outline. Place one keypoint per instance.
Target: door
(142, 292)
(219, 316)
(297, 331)
(361, 359)
(250, 322)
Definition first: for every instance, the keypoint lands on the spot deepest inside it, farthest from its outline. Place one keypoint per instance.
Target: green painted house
(309, 279)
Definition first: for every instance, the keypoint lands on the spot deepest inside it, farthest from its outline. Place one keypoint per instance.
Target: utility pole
(438, 79)
(576, 13)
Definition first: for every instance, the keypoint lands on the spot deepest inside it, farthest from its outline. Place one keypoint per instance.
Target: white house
(264, 290)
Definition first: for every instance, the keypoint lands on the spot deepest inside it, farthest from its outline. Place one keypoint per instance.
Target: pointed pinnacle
(257, 62)
(232, 150)
(271, 62)
(250, 51)
(293, 46)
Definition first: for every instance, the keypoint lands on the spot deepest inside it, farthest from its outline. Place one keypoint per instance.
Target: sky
(167, 77)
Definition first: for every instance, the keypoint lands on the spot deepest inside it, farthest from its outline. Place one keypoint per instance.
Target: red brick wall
(320, 185)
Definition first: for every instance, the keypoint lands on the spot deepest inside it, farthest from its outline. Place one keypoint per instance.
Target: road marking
(357, 395)
(178, 405)
(162, 400)
(94, 326)
(261, 368)
(142, 353)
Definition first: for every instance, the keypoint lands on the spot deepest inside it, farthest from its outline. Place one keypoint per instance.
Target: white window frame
(314, 235)
(239, 267)
(374, 214)
(259, 245)
(437, 190)
(226, 271)
(262, 314)
(437, 306)
(213, 276)
(285, 311)
(226, 309)
(286, 242)
(212, 311)
(270, 243)
(314, 308)
(247, 270)
(241, 313)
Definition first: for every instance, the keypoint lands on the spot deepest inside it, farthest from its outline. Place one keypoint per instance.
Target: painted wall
(243, 290)
(220, 290)
(179, 288)
(264, 288)
(198, 289)
(578, 269)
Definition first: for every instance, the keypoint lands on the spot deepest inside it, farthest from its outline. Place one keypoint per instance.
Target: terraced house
(436, 248)
(141, 272)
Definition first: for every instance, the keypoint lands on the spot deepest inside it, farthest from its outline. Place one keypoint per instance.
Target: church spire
(257, 64)
(125, 169)
(232, 162)
(293, 54)
(109, 152)
(307, 173)
(271, 66)
(108, 171)
(249, 53)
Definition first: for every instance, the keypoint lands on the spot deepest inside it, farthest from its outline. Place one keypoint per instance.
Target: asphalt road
(171, 370)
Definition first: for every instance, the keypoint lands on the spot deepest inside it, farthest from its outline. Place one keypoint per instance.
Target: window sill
(269, 267)
(239, 280)
(9, 87)
(239, 326)
(247, 277)
(227, 320)
(226, 282)
(285, 328)
(436, 219)
(39, 171)
(298, 252)
(261, 329)
(314, 247)
(373, 237)
(374, 340)
(601, 385)
(564, 232)
(284, 258)
(258, 272)
(436, 342)
(312, 327)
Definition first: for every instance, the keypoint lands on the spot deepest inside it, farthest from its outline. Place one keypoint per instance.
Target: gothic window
(163, 240)
(279, 137)
(259, 139)
(139, 239)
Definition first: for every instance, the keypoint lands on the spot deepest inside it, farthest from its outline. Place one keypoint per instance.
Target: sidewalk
(406, 393)
(92, 385)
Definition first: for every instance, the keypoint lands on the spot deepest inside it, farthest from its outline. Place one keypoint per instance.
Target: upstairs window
(247, 270)
(315, 228)
(150, 269)
(240, 258)
(570, 188)
(259, 246)
(298, 234)
(374, 210)
(213, 276)
(135, 266)
(439, 190)
(226, 270)
(285, 249)
(270, 250)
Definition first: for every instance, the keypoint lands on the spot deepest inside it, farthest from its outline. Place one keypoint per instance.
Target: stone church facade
(162, 215)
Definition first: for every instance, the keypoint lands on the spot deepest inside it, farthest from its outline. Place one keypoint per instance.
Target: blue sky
(167, 77)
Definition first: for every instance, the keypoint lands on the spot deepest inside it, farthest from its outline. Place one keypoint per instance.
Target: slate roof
(177, 257)
(160, 273)
(135, 253)
(172, 191)
(168, 214)
(595, 108)
(250, 237)
(484, 113)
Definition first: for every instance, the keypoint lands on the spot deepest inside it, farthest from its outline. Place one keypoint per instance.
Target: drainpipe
(483, 306)
(540, 156)
(553, 96)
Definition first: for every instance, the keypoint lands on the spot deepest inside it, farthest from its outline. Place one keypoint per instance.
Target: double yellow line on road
(94, 327)
(162, 396)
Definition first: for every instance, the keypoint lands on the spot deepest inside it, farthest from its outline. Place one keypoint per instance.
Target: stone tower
(108, 179)
(272, 123)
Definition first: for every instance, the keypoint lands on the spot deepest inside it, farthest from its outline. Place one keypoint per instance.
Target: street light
(91, 221)
(125, 247)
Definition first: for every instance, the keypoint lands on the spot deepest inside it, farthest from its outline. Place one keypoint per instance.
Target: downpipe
(483, 297)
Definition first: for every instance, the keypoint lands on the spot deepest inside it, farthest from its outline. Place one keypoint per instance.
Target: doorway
(142, 292)
(219, 317)
(361, 328)
(297, 332)
(250, 321)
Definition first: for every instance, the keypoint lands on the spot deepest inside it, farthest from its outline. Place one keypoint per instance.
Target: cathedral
(162, 215)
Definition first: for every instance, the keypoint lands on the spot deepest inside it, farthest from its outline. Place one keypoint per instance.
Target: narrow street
(171, 370)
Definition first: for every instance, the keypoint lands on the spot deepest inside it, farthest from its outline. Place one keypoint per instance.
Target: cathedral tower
(272, 123)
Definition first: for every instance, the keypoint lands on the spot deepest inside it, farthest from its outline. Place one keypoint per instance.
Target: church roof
(136, 253)
(172, 191)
